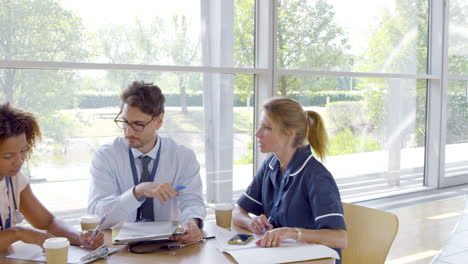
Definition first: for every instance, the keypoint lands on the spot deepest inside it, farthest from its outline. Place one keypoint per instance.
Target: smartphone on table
(240, 239)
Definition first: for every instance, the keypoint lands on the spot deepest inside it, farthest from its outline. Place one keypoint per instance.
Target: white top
(112, 183)
(6, 200)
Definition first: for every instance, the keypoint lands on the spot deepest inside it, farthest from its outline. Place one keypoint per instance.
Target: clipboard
(145, 231)
(127, 240)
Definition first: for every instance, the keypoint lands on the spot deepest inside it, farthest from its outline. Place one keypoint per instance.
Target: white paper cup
(89, 222)
(223, 213)
(56, 250)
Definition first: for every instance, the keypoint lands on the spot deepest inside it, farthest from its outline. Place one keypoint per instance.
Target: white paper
(288, 251)
(34, 252)
(138, 231)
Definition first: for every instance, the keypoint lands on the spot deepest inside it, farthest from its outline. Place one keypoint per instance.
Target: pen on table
(178, 188)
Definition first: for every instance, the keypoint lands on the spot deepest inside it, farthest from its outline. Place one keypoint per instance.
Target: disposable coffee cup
(223, 213)
(56, 250)
(89, 222)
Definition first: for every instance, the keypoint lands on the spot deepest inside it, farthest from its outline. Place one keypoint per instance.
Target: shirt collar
(298, 161)
(152, 153)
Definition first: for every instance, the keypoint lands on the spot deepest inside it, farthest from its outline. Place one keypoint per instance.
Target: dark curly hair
(146, 96)
(14, 122)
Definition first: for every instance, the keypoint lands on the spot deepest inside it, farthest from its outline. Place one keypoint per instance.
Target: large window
(376, 130)
(388, 36)
(383, 78)
(362, 71)
(456, 134)
(124, 32)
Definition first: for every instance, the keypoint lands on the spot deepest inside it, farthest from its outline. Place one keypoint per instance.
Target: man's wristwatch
(298, 233)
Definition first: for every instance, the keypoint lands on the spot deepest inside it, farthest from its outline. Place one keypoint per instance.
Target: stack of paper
(143, 231)
(288, 251)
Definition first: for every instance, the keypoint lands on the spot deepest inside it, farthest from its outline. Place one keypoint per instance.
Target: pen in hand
(265, 228)
(98, 227)
(178, 188)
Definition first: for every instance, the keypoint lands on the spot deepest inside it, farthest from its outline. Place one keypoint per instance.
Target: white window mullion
(218, 98)
(436, 94)
(265, 58)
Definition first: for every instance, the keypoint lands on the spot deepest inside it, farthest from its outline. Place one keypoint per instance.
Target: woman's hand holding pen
(88, 241)
(260, 224)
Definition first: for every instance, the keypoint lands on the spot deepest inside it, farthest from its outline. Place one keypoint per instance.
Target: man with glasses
(145, 177)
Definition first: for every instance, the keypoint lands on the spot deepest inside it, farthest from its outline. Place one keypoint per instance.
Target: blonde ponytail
(317, 134)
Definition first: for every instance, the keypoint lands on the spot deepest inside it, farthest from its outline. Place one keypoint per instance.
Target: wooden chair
(370, 234)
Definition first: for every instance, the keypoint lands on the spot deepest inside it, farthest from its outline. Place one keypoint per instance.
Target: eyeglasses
(124, 124)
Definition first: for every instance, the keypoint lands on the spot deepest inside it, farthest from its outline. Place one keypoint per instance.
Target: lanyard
(8, 184)
(7, 222)
(9, 181)
(134, 170)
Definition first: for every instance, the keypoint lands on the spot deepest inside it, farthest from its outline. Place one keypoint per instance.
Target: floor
(456, 248)
(433, 227)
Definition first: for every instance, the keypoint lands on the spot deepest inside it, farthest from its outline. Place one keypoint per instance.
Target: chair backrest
(370, 234)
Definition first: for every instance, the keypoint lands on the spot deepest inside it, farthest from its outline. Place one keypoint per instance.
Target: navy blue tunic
(306, 197)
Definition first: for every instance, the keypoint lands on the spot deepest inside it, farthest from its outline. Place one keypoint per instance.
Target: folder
(144, 231)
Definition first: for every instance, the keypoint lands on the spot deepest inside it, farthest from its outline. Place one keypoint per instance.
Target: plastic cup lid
(89, 219)
(224, 206)
(56, 242)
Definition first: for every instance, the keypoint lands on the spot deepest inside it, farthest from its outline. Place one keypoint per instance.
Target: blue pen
(178, 188)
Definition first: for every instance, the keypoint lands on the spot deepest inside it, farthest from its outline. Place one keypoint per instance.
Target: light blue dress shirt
(112, 183)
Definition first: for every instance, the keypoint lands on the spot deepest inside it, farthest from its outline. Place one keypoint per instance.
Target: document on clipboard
(144, 231)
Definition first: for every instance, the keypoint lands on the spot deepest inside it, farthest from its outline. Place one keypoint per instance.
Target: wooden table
(203, 252)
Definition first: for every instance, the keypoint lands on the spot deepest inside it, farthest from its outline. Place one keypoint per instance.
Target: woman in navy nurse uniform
(293, 195)
(19, 131)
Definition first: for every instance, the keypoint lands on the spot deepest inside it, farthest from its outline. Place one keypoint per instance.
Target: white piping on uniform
(303, 165)
(327, 215)
(271, 166)
(252, 199)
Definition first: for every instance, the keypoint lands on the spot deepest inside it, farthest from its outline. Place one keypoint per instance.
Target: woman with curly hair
(19, 132)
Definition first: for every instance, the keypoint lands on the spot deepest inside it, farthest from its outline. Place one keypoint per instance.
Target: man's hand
(163, 191)
(191, 230)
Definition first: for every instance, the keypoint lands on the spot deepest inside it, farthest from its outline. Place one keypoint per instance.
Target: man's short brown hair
(146, 96)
